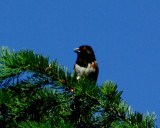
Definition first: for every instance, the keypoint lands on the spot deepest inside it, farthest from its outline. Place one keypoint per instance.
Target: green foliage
(36, 93)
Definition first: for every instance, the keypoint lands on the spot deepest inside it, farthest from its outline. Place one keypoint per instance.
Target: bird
(86, 65)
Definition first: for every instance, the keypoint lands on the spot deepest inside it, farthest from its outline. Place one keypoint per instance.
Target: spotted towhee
(86, 65)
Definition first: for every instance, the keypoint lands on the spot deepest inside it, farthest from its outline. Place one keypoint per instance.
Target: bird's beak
(76, 50)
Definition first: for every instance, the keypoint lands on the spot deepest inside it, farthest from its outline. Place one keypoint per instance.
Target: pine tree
(38, 93)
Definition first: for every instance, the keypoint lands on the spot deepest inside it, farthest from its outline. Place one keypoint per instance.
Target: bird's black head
(85, 55)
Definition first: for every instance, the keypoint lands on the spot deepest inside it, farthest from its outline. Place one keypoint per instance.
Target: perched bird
(86, 65)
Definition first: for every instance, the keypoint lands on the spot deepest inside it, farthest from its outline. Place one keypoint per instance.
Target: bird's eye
(84, 48)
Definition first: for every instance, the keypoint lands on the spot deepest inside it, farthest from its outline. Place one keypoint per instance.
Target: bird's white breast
(83, 71)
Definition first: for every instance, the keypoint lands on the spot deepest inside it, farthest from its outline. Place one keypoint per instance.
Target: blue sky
(124, 34)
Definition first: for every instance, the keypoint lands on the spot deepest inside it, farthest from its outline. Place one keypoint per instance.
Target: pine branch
(37, 93)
